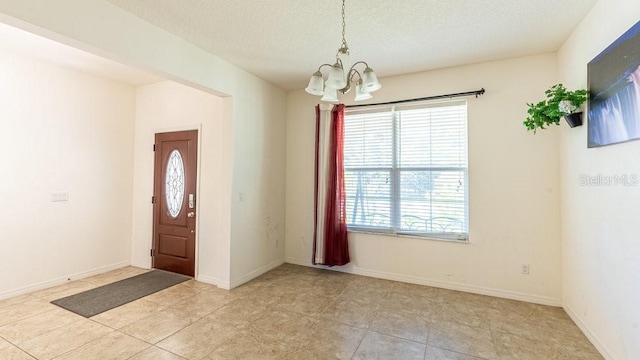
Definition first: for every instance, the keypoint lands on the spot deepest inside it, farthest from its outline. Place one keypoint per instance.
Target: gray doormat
(95, 301)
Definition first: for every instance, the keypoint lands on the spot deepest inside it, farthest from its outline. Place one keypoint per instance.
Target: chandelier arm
(323, 65)
(358, 62)
(353, 72)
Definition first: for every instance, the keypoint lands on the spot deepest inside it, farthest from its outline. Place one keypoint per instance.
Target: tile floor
(292, 312)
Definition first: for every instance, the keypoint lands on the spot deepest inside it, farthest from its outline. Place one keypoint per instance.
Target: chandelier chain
(344, 42)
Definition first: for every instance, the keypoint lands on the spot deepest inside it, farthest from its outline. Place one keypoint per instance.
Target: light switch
(59, 196)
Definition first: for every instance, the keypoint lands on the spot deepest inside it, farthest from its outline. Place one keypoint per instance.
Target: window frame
(395, 172)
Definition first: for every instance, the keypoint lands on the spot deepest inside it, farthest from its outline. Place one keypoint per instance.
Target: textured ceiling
(284, 41)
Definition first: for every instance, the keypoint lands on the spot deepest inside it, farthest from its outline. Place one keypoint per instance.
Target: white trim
(252, 275)
(506, 294)
(225, 285)
(61, 280)
(599, 345)
(207, 279)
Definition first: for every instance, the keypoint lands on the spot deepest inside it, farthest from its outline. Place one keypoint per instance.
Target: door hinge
(151, 253)
(153, 199)
(154, 147)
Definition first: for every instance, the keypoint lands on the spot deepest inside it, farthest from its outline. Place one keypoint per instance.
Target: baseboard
(599, 345)
(61, 280)
(252, 275)
(208, 279)
(352, 269)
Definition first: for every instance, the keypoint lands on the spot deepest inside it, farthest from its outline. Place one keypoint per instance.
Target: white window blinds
(406, 170)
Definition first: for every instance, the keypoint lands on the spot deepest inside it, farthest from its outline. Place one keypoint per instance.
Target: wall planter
(574, 119)
(559, 102)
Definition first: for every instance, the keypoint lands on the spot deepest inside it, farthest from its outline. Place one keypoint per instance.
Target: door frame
(155, 131)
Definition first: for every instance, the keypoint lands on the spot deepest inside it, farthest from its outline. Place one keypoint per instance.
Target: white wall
(600, 227)
(62, 131)
(258, 203)
(252, 162)
(168, 106)
(513, 189)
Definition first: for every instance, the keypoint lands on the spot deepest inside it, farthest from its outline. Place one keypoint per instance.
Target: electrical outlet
(525, 269)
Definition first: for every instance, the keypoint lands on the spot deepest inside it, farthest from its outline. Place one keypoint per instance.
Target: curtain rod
(446, 96)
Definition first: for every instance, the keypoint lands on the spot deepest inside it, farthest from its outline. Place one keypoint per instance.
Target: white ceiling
(284, 41)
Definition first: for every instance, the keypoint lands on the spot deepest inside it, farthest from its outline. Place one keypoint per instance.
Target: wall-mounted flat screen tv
(614, 92)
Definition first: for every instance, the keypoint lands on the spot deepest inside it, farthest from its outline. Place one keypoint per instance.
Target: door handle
(191, 214)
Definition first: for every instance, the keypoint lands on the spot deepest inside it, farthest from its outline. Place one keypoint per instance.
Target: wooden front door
(174, 209)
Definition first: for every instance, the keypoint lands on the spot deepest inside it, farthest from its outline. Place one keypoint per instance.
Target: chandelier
(343, 75)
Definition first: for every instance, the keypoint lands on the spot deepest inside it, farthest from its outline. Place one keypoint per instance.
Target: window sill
(412, 236)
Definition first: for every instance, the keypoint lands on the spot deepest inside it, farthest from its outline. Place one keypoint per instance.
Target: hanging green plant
(560, 102)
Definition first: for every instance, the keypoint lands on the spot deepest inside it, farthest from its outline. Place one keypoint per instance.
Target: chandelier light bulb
(370, 80)
(361, 94)
(330, 95)
(336, 78)
(315, 86)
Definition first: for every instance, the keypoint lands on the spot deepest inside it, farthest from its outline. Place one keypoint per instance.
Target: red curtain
(334, 220)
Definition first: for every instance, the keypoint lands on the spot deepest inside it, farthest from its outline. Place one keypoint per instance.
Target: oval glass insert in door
(174, 183)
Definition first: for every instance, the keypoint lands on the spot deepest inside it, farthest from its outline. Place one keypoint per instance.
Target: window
(406, 170)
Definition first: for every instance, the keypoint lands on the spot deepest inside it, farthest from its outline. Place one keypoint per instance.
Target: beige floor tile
(17, 312)
(421, 291)
(366, 293)
(127, 313)
(13, 353)
(371, 284)
(40, 294)
(463, 313)
(199, 286)
(352, 313)
(514, 347)
(73, 288)
(381, 347)
(115, 275)
(157, 326)
(422, 306)
(483, 301)
(436, 353)
(522, 325)
(113, 346)
(328, 340)
(292, 312)
(64, 339)
(198, 339)
(16, 300)
(172, 295)
(461, 338)
(249, 344)
(203, 303)
(576, 344)
(37, 325)
(401, 324)
(307, 304)
(4, 343)
(155, 353)
(269, 296)
(238, 313)
(281, 325)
